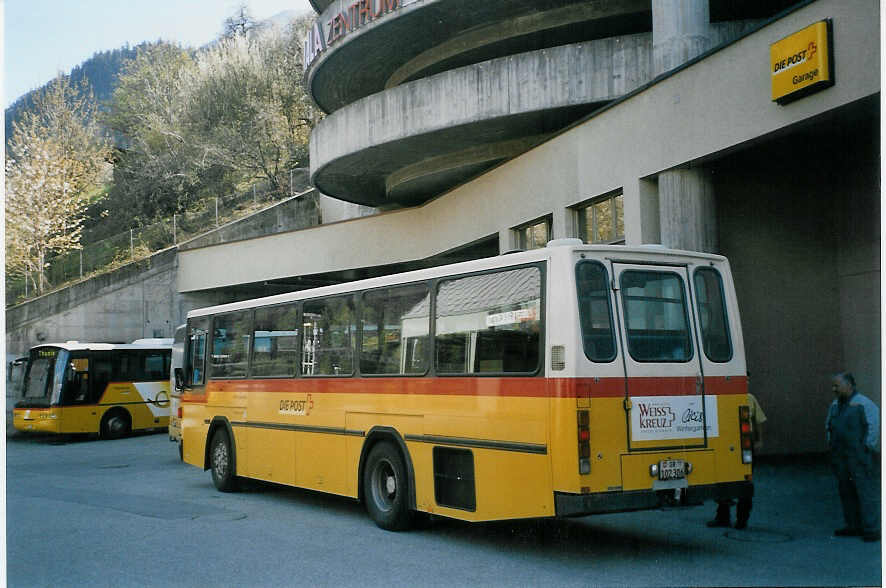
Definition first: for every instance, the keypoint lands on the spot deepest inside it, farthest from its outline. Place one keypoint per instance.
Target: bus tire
(116, 423)
(386, 488)
(221, 461)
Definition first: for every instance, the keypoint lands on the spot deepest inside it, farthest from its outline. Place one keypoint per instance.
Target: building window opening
(534, 235)
(601, 220)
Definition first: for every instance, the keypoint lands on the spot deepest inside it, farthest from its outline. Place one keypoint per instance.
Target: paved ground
(128, 513)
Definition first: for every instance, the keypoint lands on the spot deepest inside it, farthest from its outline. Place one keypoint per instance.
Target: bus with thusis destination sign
(105, 388)
(565, 381)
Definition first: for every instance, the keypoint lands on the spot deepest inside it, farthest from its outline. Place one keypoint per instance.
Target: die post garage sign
(802, 63)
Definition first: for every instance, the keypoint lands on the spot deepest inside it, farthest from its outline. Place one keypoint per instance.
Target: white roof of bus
(77, 346)
(639, 253)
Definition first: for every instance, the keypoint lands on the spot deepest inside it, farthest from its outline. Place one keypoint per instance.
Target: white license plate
(671, 469)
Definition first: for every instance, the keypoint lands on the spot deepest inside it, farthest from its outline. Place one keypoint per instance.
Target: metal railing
(140, 242)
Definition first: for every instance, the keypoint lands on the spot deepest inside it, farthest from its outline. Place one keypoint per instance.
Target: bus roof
(638, 253)
(77, 346)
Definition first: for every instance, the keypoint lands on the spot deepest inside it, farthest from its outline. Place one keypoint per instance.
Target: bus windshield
(39, 378)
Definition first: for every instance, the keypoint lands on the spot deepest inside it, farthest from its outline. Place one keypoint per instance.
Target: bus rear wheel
(221, 462)
(386, 488)
(115, 424)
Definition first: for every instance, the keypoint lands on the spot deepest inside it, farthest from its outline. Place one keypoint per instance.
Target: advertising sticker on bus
(654, 418)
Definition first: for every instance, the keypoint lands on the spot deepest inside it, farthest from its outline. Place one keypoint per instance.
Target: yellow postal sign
(800, 64)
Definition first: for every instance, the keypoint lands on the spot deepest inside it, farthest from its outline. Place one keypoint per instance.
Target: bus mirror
(179, 378)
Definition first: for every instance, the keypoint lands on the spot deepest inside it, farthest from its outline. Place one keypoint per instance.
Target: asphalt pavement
(128, 513)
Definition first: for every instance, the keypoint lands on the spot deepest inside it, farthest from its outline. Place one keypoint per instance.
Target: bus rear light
(744, 426)
(179, 412)
(584, 442)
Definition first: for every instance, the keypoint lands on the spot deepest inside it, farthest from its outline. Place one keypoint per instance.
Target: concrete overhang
(716, 105)
(422, 37)
(320, 5)
(407, 144)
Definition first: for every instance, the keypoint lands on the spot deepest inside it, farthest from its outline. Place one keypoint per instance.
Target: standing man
(853, 432)
(745, 502)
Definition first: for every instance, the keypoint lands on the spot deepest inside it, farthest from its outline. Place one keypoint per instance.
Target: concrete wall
(300, 211)
(803, 254)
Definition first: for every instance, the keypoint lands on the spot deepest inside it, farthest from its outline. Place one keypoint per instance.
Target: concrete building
(633, 121)
(478, 127)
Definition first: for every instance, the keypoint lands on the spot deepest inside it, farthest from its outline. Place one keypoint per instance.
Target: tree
(240, 23)
(154, 173)
(53, 162)
(247, 109)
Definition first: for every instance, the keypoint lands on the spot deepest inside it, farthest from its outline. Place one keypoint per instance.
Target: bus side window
(195, 358)
(102, 374)
(328, 337)
(394, 322)
(489, 323)
(76, 385)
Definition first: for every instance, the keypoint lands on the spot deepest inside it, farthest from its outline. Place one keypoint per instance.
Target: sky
(44, 37)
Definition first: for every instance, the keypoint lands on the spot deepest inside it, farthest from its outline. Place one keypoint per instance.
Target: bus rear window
(712, 315)
(595, 311)
(655, 316)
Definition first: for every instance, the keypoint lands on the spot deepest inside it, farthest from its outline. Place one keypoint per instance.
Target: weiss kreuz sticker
(654, 418)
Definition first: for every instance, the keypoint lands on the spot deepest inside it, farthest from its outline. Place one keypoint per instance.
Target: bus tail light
(584, 442)
(179, 412)
(747, 442)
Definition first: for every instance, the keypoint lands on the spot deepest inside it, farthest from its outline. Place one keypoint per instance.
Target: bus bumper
(573, 505)
(35, 421)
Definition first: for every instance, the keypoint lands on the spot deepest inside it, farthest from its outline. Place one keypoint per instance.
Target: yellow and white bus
(104, 388)
(571, 380)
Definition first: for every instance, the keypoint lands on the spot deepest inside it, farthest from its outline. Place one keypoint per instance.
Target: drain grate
(756, 536)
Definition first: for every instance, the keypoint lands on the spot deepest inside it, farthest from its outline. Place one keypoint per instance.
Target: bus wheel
(115, 424)
(221, 461)
(386, 488)
(181, 456)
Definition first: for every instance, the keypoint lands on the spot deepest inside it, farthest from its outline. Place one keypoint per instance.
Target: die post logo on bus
(654, 418)
(297, 407)
(801, 63)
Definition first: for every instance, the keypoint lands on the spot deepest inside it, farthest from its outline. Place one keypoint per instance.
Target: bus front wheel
(115, 424)
(386, 488)
(221, 461)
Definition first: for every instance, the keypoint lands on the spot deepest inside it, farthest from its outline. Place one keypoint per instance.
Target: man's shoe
(871, 537)
(847, 532)
(718, 523)
(741, 524)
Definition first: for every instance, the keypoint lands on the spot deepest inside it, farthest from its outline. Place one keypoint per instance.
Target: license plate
(671, 469)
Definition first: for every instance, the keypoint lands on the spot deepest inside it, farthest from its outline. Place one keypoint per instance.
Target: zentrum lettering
(354, 16)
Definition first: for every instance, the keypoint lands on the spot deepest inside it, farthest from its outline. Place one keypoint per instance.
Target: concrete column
(687, 212)
(563, 224)
(506, 241)
(680, 31)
